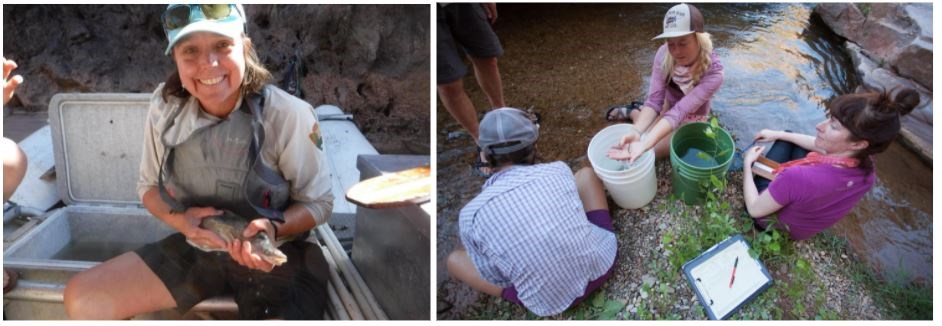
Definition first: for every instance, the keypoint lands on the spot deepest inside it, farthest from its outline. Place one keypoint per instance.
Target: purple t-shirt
(817, 196)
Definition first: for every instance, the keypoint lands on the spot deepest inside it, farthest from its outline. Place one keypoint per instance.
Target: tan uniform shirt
(289, 145)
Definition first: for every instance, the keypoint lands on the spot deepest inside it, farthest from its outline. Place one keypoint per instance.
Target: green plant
(898, 297)
(864, 8)
(643, 312)
(597, 307)
(709, 133)
(713, 223)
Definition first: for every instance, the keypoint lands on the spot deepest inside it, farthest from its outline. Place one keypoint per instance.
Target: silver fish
(229, 227)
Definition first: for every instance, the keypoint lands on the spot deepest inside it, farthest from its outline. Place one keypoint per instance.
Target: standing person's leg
(488, 76)
(119, 288)
(450, 72)
(458, 104)
(473, 31)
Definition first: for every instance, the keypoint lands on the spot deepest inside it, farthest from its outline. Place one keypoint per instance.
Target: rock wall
(370, 60)
(891, 45)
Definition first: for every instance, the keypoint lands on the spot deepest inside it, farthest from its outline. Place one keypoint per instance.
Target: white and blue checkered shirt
(527, 228)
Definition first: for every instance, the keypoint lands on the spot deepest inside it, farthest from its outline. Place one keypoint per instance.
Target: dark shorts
(602, 219)
(295, 290)
(463, 24)
(781, 152)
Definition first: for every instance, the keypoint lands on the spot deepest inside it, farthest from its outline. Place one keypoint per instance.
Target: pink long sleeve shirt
(695, 105)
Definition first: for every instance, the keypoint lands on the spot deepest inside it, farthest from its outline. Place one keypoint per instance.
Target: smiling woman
(210, 66)
(204, 154)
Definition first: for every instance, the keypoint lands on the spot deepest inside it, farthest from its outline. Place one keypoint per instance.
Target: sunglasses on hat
(178, 16)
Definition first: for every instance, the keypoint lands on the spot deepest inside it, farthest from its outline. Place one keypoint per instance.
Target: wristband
(274, 229)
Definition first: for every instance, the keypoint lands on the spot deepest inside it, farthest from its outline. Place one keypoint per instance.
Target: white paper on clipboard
(710, 275)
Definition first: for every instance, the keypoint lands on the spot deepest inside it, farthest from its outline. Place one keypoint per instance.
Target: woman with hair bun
(825, 175)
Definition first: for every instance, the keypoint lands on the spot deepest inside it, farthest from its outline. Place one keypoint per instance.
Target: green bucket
(689, 168)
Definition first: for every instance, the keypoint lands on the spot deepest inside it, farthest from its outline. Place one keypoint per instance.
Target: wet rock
(916, 133)
(898, 34)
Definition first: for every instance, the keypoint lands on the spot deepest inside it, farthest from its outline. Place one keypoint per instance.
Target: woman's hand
(195, 234)
(766, 135)
(241, 251)
(630, 152)
(636, 149)
(9, 84)
(621, 150)
(751, 155)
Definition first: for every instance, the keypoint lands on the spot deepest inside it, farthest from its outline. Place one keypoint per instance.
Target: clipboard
(709, 274)
(763, 167)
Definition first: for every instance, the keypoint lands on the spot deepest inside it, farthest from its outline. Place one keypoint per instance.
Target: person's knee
(584, 172)
(585, 176)
(14, 166)
(454, 261)
(490, 62)
(82, 301)
(452, 89)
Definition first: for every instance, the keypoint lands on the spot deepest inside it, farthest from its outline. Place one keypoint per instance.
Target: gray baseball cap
(506, 130)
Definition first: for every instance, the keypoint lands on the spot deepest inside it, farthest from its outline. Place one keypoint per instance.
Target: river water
(782, 64)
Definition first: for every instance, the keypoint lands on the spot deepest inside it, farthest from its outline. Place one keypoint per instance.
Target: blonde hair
(700, 66)
(255, 78)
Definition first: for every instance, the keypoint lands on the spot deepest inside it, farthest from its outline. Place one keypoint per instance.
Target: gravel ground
(647, 288)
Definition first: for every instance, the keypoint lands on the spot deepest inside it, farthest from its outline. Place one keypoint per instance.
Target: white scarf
(682, 77)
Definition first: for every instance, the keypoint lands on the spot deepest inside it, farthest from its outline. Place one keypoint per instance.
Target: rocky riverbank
(891, 46)
(370, 60)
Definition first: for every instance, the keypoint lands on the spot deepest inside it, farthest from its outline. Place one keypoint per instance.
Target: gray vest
(220, 166)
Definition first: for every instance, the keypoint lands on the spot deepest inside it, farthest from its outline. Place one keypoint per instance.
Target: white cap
(681, 20)
(232, 26)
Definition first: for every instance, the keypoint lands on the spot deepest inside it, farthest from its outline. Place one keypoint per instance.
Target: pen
(733, 278)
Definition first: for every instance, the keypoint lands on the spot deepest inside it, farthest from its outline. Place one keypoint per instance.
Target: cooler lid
(97, 140)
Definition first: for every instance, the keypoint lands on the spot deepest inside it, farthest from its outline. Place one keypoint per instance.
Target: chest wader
(220, 166)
